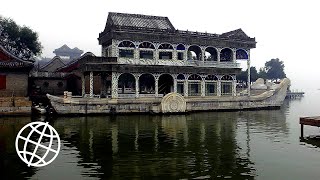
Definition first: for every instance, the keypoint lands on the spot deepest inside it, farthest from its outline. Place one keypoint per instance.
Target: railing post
(91, 84)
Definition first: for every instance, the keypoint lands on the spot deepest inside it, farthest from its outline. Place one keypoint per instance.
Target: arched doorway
(165, 84)
(146, 84)
(126, 84)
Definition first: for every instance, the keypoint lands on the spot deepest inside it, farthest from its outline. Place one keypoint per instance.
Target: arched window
(226, 54)
(211, 78)
(194, 53)
(241, 54)
(194, 85)
(181, 47)
(167, 54)
(211, 54)
(126, 49)
(146, 50)
(226, 78)
(127, 44)
(194, 77)
(226, 85)
(211, 85)
(165, 46)
(146, 45)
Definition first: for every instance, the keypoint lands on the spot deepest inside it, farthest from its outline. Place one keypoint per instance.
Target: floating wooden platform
(310, 121)
(294, 95)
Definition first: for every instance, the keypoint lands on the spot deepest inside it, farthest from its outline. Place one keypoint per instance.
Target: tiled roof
(238, 33)
(139, 21)
(65, 51)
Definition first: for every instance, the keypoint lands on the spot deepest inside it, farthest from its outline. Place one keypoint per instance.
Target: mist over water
(238, 145)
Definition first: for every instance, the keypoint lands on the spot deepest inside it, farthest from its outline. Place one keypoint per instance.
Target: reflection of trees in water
(271, 123)
(11, 166)
(201, 144)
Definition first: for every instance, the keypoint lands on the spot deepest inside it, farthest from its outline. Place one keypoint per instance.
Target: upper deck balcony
(147, 53)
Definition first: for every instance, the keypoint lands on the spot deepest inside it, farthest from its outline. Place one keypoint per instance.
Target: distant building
(46, 77)
(68, 52)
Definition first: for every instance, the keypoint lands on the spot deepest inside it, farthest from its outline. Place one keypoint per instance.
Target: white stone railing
(171, 62)
(212, 64)
(150, 95)
(126, 95)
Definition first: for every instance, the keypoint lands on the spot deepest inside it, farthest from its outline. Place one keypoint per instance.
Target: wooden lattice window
(3, 82)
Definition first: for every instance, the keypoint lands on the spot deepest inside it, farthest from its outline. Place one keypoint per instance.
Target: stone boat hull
(171, 103)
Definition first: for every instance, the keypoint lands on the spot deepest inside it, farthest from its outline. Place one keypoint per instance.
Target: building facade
(14, 73)
(145, 56)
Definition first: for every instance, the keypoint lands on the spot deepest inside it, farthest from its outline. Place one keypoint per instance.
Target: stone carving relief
(173, 103)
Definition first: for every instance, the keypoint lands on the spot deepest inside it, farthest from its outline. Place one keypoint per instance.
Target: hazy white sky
(288, 30)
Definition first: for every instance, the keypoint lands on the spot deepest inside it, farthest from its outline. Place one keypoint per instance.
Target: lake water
(227, 145)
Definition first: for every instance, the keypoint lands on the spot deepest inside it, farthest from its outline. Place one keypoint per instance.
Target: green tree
(19, 40)
(262, 73)
(243, 75)
(275, 69)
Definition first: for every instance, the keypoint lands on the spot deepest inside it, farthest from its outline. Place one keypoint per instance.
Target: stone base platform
(15, 106)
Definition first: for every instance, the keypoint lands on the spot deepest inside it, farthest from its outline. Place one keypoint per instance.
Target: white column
(156, 54)
(185, 88)
(203, 86)
(234, 52)
(218, 54)
(175, 54)
(202, 54)
(114, 48)
(91, 84)
(114, 85)
(175, 83)
(83, 84)
(249, 79)
(156, 81)
(136, 76)
(185, 54)
(219, 86)
(234, 87)
(136, 53)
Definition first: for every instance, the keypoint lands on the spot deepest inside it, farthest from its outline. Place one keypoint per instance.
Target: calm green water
(225, 145)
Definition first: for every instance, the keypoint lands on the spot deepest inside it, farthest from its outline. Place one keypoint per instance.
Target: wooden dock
(310, 121)
(294, 95)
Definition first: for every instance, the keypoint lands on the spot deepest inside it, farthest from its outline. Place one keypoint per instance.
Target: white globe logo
(40, 146)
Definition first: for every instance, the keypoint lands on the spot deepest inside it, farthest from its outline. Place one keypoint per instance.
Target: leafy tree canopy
(275, 69)
(19, 40)
(243, 76)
